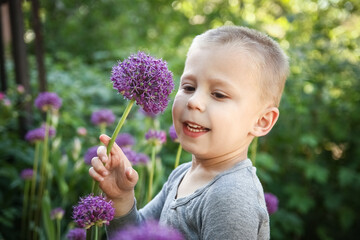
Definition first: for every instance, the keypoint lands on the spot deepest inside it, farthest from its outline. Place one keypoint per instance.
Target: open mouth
(192, 127)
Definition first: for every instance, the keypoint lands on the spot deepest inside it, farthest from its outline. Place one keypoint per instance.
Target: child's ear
(266, 122)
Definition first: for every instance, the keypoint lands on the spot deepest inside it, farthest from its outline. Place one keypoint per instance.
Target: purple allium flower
(76, 234)
(2, 96)
(93, 210)
(148, 230)
(38, 134)
(156, 137)
(173, 134)
(125, 140)
(81, 131)
(130, 154)
(272, 202)
(142, 158)
(90, 154)
(20, 89)
(57, 213)
(145, 79)
(103, 116)
(27, 174)
(48, 100)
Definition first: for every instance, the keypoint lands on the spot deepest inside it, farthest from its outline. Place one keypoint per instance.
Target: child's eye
(219, 95)
(188, 88)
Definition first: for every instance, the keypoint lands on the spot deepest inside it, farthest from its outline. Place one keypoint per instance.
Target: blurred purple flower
(38, 134)
(125, 140)
(27, 174)
(272, 202)
(2, 96)
(90, 154)
(81, 131)
(148, 230)
(20, 89)
(76, 234)
(142, 158)
(173, 134)
(57, 213)
(48, 100)
(93, 210)
(130, 154)
(145, 79)
(156, 137)
(103, 116)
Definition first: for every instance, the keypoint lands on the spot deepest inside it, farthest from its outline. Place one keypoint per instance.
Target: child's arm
(115, 175)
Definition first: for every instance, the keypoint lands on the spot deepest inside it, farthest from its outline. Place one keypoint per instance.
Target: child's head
(229, 92)
(268, 62)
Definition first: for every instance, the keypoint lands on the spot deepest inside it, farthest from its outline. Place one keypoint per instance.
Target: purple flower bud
(272, 202)
(38, 134)
(48, 100)
(142, 158)
(145, 79)
(156, 137)
(173, 134)
(149, 230)
(125, 140)
(93, 210)
(57, 213)
(90, 154)
(76, 234)
(27, 174)
(103, 116)
(130, 154)
(81, 131)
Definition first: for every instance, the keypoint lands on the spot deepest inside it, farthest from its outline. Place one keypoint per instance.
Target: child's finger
(132, 175)
(95, 175)
(99, 167)
(101, 152)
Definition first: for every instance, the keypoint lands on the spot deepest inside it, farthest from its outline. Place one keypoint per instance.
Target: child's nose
(196, 102)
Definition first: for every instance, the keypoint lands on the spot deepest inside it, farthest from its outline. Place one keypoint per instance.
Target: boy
(229, 93)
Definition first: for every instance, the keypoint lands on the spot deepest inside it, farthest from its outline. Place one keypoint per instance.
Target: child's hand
(114, 173)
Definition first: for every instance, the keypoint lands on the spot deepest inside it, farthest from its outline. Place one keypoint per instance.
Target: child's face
(217, 104)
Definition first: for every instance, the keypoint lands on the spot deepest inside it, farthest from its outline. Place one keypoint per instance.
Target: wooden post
(3, 79)
(39, 45)
(20, 61)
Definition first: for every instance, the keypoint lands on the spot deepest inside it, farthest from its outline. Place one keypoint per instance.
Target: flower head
(76, 234)
(57, 213)
(173, 134)
(48, 100)
(81, 131)
(156, 137)
(142, 158)
(145, 79)
(90, 154)
(272, 202)
(93, 210)
(103, 116)
(149, 230)
(125, 140)
(27, 174)
(38, 134)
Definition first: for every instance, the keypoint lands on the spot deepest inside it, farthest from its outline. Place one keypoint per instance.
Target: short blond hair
(268, 59)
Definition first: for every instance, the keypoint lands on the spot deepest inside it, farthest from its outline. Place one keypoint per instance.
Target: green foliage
(310, 160)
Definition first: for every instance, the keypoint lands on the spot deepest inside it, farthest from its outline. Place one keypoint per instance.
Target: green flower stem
(178, 154)
(103, 128)
(33, 180)
(89, 233)
(58, 229)
(152, 170)
(44, 166)
(96, 232)
(253, 150)
(25, 207)
(119, 125)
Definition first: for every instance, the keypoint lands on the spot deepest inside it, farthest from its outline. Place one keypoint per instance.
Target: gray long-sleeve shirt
(231, 206)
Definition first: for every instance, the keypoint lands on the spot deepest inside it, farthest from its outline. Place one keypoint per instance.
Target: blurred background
(310, 160)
